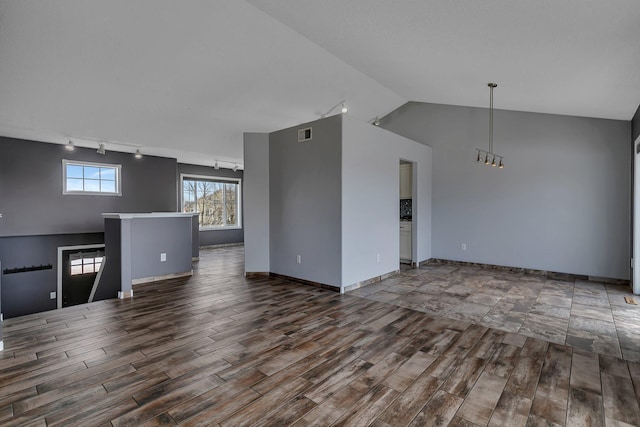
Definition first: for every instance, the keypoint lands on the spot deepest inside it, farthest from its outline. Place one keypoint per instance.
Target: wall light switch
(377, 258)
(52, 295)
(463, 247)
(163, 257)
(298, 259)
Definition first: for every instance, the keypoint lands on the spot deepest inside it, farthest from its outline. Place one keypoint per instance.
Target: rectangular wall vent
(304, 135)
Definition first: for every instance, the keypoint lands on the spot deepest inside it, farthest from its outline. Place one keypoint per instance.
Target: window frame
(95, 255)
(118, 180)
(212, 178)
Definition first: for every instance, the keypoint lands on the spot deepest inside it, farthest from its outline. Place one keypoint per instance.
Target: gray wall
(305, 202)
(1, 342)
(25, 293)
(152, 236)
(635, 125)
(561, 203)
(215, 237)
(37, 218)
(110, 282)
(255, 197)
(31, 199)
(370, 194)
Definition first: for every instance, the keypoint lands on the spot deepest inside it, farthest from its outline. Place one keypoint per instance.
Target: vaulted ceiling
(186, 78)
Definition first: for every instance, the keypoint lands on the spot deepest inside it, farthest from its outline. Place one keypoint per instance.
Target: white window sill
(219, 228)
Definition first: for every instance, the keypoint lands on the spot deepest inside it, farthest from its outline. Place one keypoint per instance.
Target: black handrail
(26, 269)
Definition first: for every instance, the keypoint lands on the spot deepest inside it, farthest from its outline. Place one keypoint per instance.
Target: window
(217, 200)
(85, 263)
(91, 178)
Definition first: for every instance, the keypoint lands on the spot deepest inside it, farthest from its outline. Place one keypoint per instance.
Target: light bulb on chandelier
(490, 152)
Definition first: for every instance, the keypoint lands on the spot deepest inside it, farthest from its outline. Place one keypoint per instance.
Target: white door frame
(635, 264)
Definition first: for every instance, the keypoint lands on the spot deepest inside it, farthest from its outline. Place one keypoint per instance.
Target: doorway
(79, 269)
(406, 212)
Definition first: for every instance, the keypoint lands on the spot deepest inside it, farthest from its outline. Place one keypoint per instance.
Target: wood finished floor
(219, 349)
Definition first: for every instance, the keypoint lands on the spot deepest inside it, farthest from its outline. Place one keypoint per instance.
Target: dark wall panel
(215, 237)
(26, 293)
(110, 280)
(31, 199)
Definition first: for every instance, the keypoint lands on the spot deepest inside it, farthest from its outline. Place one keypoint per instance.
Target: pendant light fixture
(484, 153)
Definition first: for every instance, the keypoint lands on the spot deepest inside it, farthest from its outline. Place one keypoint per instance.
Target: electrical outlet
(52, 295)
(463, 247)
(298, 259)
(163, 257)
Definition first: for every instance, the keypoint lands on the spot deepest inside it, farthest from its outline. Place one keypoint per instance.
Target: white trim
(213, 179)
(125, 294)
(113, 215)
(1, 346)
(70, 248)
(118, 169)
(635, 256)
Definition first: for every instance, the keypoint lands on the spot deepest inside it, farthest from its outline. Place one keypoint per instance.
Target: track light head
(501, 165)
(216, 166)
(493, 163)
(235, 167)
(343, 108)
(70, 146)
(479, 158)
(138, 154)
(486, 159)
(101, 150)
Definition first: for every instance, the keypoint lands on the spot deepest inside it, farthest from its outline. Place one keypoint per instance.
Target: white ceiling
(186, 78)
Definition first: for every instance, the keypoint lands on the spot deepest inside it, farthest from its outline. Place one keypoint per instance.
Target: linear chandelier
(484, 155)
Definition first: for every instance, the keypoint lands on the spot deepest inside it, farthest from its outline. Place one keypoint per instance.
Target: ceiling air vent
(304, 135)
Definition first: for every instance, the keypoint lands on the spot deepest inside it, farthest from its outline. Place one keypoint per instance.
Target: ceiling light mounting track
(483, 156)
(343, 110)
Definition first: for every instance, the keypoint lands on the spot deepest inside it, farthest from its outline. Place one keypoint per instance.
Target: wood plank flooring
(218, 349)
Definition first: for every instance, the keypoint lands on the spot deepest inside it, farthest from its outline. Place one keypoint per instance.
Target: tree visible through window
(215, 200)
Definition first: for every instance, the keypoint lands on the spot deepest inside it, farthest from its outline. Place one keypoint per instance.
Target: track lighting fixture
(490, 152)
(101, 150)
(216, 166)
(375, 121)
(70, 146)
(138, 154)
(488, 158)
(341, 104)
(235, 167)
